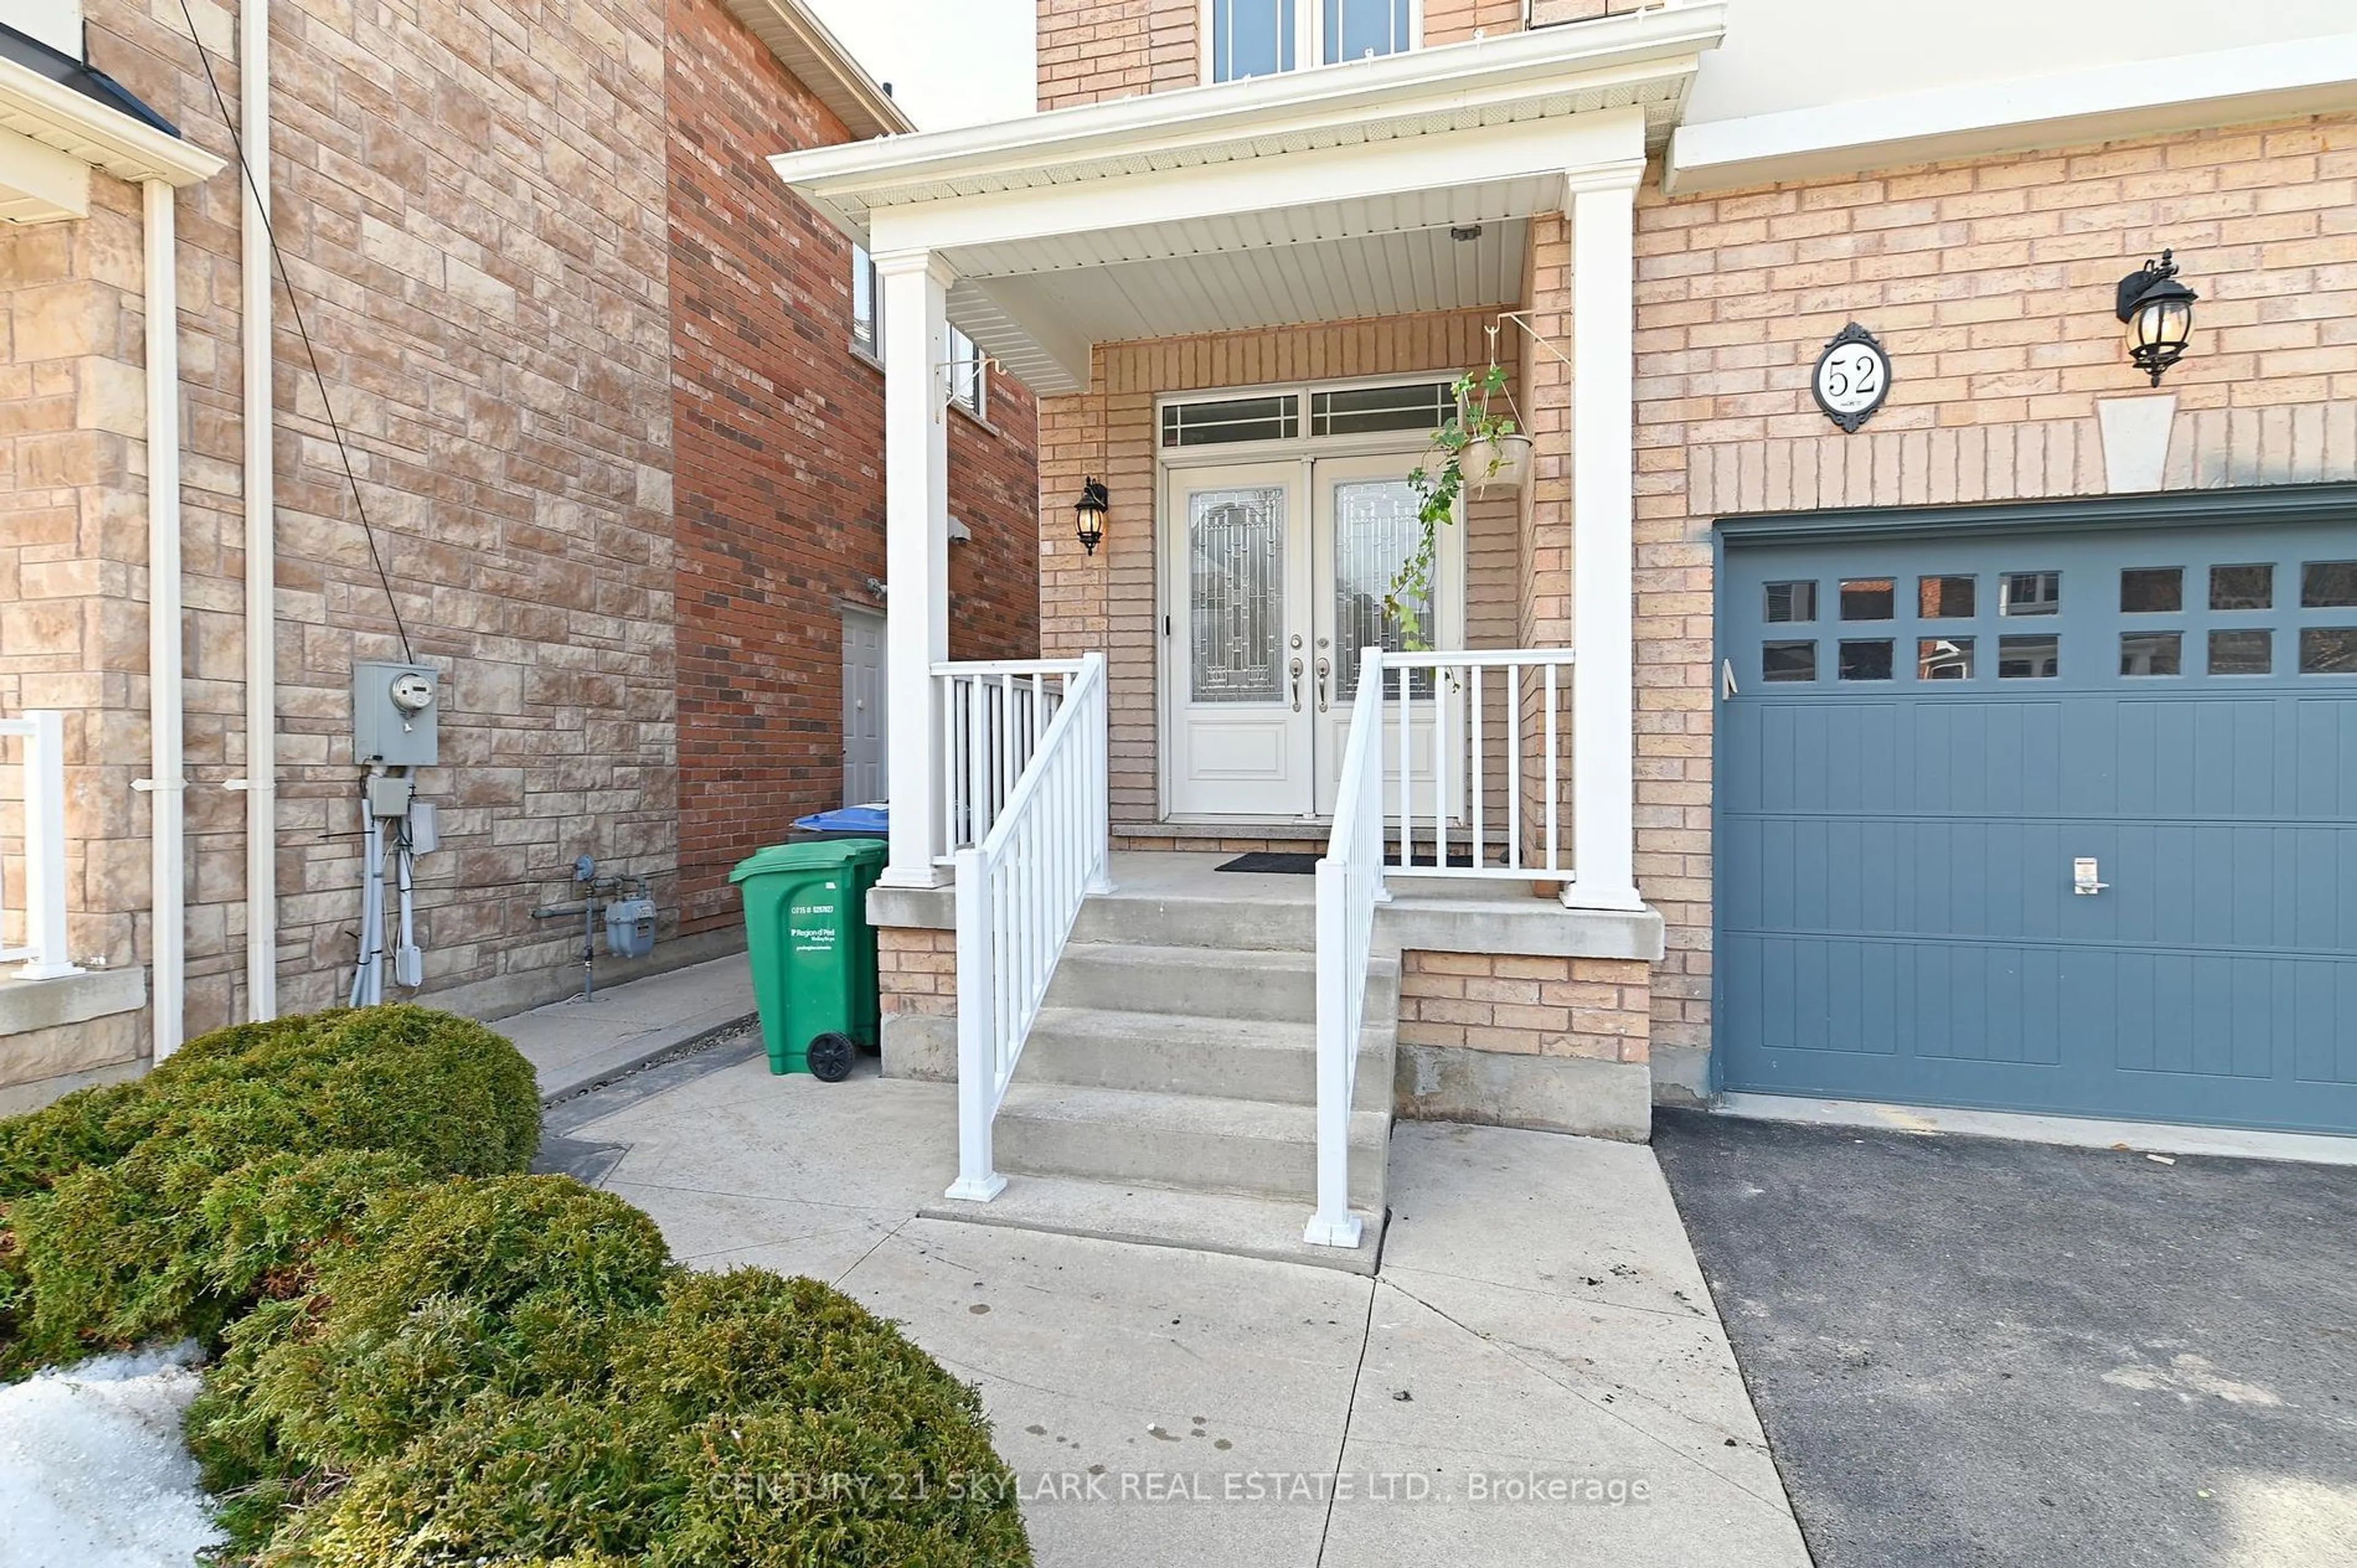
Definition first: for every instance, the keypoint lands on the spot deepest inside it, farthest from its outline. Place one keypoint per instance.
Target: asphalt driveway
(1971, 1351)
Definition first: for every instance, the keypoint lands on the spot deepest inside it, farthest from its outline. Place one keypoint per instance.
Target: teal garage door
(2044, 809)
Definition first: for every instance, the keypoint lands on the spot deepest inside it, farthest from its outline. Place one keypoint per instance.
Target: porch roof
(1324, 194)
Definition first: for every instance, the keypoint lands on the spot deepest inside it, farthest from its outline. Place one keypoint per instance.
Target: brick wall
(1108, 600)
(1992, 286)
(1092, 50)
(1594, 1007)
(916, 970)
(779, 490)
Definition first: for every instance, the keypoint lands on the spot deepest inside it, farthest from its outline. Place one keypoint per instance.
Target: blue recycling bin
(871, 822)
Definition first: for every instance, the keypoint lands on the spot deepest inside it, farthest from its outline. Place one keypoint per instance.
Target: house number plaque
(1852, 377)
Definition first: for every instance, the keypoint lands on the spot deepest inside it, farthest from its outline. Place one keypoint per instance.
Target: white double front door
(1275, 576)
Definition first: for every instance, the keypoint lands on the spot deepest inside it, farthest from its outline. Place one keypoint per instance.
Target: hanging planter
(1498, 467)
(1475, 450)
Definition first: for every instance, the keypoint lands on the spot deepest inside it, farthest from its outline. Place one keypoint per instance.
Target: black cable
(262, 211)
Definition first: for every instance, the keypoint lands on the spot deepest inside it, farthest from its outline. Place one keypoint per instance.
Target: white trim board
(2112, 102)
(2073, 1132)
(55, 116)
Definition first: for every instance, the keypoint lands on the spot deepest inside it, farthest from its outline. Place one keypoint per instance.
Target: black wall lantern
(1089, 514)
(2158, 311)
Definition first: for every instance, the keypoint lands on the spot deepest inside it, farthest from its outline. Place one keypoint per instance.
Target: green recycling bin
(812, 951)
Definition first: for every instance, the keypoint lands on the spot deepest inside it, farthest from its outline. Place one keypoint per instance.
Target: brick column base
(1553, 1043)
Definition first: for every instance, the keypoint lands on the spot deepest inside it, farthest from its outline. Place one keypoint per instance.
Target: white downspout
(260, 531)
(168, 870)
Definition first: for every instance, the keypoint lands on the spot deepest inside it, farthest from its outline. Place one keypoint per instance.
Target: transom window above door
(1262, 37)
(1411, 407)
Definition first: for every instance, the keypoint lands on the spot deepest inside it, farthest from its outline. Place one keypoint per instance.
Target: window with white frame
(867, 305)
(969, 375)
(1261, 37)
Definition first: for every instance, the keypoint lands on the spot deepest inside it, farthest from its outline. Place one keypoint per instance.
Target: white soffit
(2112, 102)
(1387, 274)
(39, 184)
(93, 134)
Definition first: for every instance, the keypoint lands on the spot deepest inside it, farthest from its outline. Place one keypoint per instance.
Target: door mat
(1284, 863)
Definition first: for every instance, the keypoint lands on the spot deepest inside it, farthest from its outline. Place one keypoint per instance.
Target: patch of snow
(93, 1473)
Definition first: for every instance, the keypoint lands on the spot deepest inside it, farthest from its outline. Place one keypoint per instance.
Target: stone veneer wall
(1992, 284)
(73, 549)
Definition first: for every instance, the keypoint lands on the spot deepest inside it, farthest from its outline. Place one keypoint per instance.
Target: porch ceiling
(1324, 195)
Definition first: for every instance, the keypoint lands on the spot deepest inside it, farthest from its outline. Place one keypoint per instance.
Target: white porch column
(1602, 209)
(915, 329)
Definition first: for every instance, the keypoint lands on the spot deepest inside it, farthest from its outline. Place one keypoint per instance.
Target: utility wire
(262, 211)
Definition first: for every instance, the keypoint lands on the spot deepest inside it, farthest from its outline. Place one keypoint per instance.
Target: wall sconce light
(1089, 514)
(2158, 311)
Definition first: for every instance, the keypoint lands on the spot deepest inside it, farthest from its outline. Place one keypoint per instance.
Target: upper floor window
(867, 305)
(969, 375)
(1260, 38)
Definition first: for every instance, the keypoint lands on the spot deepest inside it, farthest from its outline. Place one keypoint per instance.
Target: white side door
(1364, 527)
(1237, 569)
(863, 708)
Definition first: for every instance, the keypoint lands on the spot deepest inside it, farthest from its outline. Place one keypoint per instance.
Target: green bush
(163, 1208)
(441, 1294)
(429, 1357)
(751, 1420)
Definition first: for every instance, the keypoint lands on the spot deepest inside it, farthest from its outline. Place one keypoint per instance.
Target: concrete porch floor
(1539, 1317)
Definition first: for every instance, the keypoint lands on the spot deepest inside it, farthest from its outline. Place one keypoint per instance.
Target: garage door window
(2327, 650)
(2031, 594)
(2248, 651)
(2242, 587)
(2151, 653)
(2328, 585)
(1868, 661)
(2029, 658)
(1946, 598)
(2152, 590)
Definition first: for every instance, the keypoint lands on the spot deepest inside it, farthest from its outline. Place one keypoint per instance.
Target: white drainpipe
(170, 941)
(261, 533)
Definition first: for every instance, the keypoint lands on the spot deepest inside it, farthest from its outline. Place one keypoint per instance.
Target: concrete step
(1201, 981)
(1195, 920)
(1189, 1142)
(1166, 1053)
(1244, 1227)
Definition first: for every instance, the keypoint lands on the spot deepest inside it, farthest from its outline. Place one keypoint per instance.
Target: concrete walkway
(1536, 1376)
(575, 1044)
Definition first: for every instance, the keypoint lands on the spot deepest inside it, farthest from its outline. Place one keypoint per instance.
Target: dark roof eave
(23, 49)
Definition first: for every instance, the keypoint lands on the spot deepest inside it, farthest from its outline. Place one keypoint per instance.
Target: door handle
(2084, 875)
(1324, 668)
(1296, 685)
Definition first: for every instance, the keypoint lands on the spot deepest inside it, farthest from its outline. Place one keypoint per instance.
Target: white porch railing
(1477, 785)
(1349, 886)
(1019, 891)
(1479, 735)
(43, 950)
(994, 715)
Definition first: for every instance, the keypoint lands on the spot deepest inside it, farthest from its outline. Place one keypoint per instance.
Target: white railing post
(1020, 889)
(1334, 1225)
(45, 846)
(977, 1019)
(1100, 786)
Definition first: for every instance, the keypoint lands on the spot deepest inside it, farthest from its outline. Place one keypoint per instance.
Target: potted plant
(1474, 449)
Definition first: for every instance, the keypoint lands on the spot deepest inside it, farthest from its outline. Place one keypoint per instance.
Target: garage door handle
(2083, 873)
(1727, 677)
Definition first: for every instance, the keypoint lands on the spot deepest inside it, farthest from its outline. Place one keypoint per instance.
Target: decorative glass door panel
(1239, 565)
(1366, 528)
(1275, 577)
(1235, 594)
